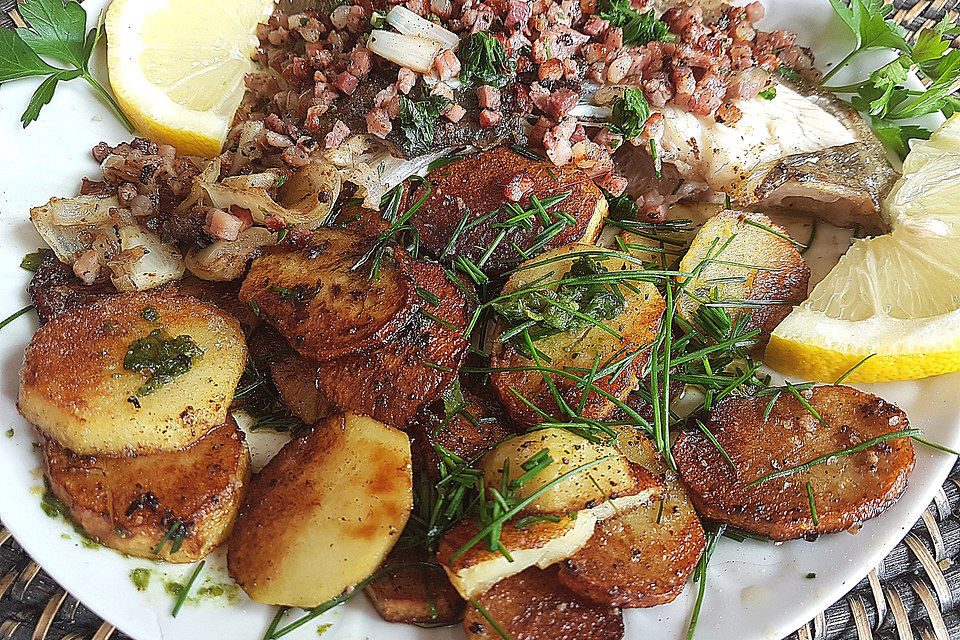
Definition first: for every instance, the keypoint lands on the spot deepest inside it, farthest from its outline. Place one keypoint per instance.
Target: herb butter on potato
(135, 373)
(324, 512)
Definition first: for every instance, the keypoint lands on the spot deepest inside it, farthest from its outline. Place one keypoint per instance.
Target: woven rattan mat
(914, 593)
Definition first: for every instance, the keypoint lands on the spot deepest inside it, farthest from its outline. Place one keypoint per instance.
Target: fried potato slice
(323, 514)
(847, 490)
(75, 389)
(413, 368)
(773, 273)
(54, 289)
(576, 351)
(463, 192)
(130, 503)
(480, 426)
(420, 595)
(642, 556)
(535, 605)
(607, 486)
(310, 291)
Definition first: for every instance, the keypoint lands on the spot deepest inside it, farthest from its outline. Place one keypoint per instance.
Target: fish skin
(800, 152)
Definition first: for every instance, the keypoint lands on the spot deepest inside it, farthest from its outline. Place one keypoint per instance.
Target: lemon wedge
(177, 66)
(896, 296)
(927, 197)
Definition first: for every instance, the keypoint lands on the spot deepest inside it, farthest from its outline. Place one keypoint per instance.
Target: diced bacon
(592, 159)
(336, 136)
(551, 70)
(453, 112)
(447, 64)
(360, 62)
(223, 225)
(588, 7)
(244, 215)
(571, 70)
(607, 139)
(87, 266)
(488, 117)
(385, 95)
(560, 102)
(579, 134)
(378, 123)
(558, 149)
(596, 25)
(539, 95)
(488, 96)
(347, 82)
(443, 90)
(613, 38)
(406, 78)
(518, 13)
(393, 106)
(357, 19)
(518, 186)
(613, 182)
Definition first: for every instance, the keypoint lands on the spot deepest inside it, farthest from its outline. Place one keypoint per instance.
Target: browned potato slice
(419, 595)
(847, 490)
(463, 436)
(55, 289)
(130, 503)
(295, 377)
(777, 286)
(220, 294)
(414, 367)
(576, 350)
(640, 557)
(535, 605)
(308, 288)
(323, 514)
(474, 187)
(75, 389)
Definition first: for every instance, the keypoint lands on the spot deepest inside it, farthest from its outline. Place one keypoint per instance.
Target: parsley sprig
(883, 96)
(57, 31)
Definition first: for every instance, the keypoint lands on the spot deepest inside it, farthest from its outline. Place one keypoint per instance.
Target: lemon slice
(177, 66)
(896, 296)
(927, 197)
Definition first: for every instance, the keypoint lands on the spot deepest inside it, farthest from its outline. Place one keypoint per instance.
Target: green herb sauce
(161, 356)
(140, 578)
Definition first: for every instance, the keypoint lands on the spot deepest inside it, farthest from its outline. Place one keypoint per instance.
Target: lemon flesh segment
(895, 296)
(177, 67)
(927, 197)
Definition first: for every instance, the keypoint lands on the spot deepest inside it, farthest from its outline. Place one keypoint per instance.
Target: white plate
(754, 590)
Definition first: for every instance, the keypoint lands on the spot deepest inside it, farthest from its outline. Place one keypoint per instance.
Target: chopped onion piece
(409, 23)
(407, 51)
(222, 260)
(69, 225)
(144, 262)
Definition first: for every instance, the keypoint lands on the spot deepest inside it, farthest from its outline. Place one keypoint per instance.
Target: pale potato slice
(606, 480)
(131, 503)
(640, 557)
(324, 512)
(575, 351)
(75, 389)
(580, 500)
(773, 273)
(535, 605)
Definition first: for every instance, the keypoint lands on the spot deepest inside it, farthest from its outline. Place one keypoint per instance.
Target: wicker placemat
(914, 593)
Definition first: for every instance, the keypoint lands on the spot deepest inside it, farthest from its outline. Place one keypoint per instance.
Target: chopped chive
(442, 162)
(442, 323)
(853, 368)
(493, 623)
(13, 316)
(938, 447)
(186, 589)
(431, 298)
(906, 433)
(281, 611)
(813, 506)
(811, 237)
(782, 236)
(792, 389)
(713, 439)
(701, 574)
(438, 367)
(255, 307)
(174, 535)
